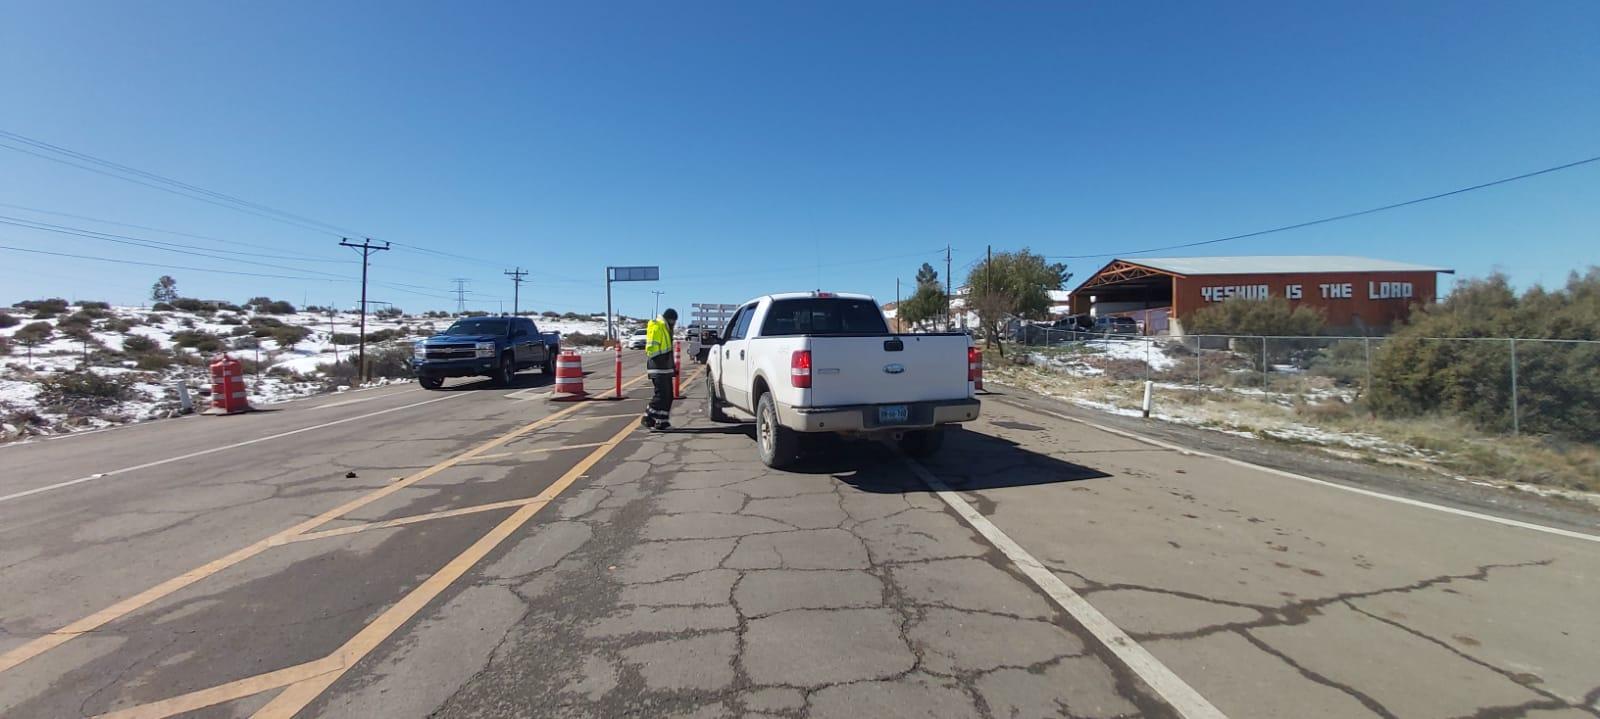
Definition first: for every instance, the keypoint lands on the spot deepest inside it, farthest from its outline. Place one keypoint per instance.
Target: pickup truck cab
(819, 362)
(495, 347)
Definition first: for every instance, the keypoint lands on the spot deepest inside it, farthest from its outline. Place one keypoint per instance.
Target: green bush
(83, 385)
(154, 361)
(288, 336)
(571, 316)
(550, 314)
(190, 304)
(240, 331)
(139, 343)
(1272, 317)
(5, 345)
(246, 342)
(162, 307)
(7, 320)
(1558, 383)
(267, 305)
(200, 340)
(230, 320)
(94, 310)
(54, 305)
(119, 324)
(76, 319)
(579, 339)
(345, 338)
(391, 362)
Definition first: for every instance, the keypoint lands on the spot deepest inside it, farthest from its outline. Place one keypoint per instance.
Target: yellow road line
(226, 692)
(122, 608)
(298, 695)
(542, 450)
(413, 519)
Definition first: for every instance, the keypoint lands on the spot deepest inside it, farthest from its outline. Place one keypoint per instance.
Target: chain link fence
(1508, 385)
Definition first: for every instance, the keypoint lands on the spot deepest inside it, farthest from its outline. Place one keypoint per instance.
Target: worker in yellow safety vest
(660, 366)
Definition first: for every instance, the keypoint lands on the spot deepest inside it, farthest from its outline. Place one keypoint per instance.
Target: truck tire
(430, 382)
(923, 442)
(714, 403)
(507, 372)
(549, 366)
(778, 445)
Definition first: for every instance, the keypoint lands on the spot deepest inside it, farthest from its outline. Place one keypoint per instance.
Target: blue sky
(741, 145)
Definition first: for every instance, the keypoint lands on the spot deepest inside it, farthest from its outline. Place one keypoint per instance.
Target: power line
(162, 265)
(150, 244)
(306, 258)
(1345, 216)
(83, 156)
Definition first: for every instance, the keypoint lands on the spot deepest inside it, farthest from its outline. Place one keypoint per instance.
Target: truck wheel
(549, 366)
(430, 382)
(507, 372)
(923, 442)
(779, 446)
(714, 404)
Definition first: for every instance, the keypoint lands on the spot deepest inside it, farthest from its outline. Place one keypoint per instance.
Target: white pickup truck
(824, 362)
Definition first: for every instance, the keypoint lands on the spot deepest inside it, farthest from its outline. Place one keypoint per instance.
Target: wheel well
(759, 389)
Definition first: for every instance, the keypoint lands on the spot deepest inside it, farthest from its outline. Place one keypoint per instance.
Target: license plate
(893, 414)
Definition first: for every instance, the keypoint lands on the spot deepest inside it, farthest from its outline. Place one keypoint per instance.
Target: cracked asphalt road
(672, 575)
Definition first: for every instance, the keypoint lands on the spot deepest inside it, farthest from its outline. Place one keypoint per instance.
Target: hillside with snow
(66, 368)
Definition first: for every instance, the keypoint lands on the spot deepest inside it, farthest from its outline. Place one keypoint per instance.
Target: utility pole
(947, 280)
(516, 276)
(988, 274)
(897, 317)
(658, 294)
(461, 294)
(367, 248)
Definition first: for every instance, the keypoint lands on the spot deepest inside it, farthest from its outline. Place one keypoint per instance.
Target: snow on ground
(285, 373)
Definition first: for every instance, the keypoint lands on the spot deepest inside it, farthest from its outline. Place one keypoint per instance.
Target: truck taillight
(800, 369)
(974, 365)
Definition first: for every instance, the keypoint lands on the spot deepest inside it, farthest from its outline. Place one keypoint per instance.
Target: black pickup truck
(495, 347)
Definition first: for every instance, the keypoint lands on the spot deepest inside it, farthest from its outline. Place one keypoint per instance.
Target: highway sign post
(626, 274)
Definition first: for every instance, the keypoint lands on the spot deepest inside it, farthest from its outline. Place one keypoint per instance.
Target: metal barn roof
(1275, 264)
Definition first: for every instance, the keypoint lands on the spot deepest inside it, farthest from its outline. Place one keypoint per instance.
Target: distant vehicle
(639, 338)
(495, 347)
(1115, 326)
(818, 362)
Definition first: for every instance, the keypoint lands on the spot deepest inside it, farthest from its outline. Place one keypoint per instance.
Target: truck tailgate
(871, 370)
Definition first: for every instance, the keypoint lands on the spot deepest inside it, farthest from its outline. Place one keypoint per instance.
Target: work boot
(647, 422)
(662, 426)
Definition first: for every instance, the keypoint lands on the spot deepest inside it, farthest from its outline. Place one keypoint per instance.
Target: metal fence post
(1368, 342)
(1263, 365)
(1516, 424)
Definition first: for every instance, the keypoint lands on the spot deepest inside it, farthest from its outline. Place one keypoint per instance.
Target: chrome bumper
(864, 417)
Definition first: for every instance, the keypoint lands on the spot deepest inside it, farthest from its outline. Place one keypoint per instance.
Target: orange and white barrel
(569, 376)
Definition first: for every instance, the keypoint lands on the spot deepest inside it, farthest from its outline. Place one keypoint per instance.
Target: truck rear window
(823, 316)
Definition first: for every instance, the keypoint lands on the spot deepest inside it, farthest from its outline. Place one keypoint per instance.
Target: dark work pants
(660, 409)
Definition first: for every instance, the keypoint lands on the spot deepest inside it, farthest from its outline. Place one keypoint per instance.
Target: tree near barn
(1012, 285)
(164, 290)
(1558, 383)
(927, 302)
(1271, 317)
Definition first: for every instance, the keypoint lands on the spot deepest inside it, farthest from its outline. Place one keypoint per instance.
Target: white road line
(223, 448)
(1313, 480)
(1169, 686)
(363, 399)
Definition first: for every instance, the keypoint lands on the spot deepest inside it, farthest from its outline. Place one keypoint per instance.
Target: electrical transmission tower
(461, 294)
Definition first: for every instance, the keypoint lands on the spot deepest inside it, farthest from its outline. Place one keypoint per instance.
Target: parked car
(496, 347)
(1116, 326)
(819, 362)
(639, 339)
